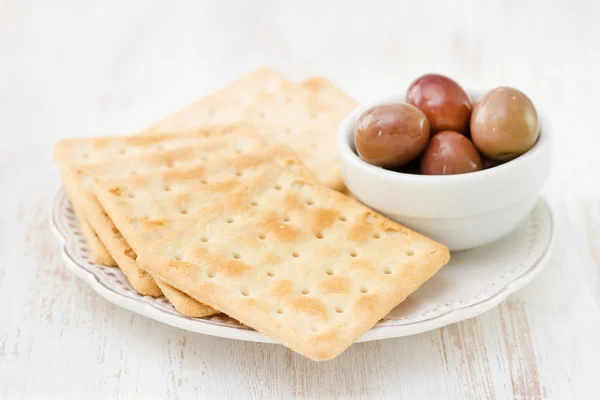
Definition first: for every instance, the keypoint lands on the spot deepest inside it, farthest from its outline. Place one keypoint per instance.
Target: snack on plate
(236, 205)
(304, 117)
(297, 261)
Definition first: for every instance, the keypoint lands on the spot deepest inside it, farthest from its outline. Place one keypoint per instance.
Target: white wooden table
(74, 68)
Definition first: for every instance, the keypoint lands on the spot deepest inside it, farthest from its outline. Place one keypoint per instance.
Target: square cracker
(304, 117)
(144, 208)
(74, 155)
(301, 263)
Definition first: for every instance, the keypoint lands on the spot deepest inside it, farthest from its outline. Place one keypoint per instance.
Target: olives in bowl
(437, 127)
(452, 191)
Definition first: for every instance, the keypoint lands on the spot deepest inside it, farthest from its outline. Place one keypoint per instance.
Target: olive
(449, 153)
(391, 135)
(444, 102)
(504, 124)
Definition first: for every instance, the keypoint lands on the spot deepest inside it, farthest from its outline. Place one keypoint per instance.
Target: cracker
(77, 154)
(146, 207)
(303, 264)
(284, 112)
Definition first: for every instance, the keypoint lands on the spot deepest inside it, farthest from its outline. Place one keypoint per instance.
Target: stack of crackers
(234, 205)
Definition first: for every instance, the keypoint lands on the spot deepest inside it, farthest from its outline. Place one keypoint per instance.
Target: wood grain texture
(71, 68)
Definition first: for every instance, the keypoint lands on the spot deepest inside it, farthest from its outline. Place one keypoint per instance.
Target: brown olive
(504, 124)
(390, 135)
(449, 153)
(444, 102)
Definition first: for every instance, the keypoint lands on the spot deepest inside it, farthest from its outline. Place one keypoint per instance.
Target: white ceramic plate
(473, 282)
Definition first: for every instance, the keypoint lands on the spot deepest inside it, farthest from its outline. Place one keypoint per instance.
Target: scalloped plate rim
(379, 332)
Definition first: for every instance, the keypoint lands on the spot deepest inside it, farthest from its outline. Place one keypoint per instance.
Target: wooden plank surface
(72, 68)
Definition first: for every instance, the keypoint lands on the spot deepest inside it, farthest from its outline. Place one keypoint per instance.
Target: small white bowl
(461, 211)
